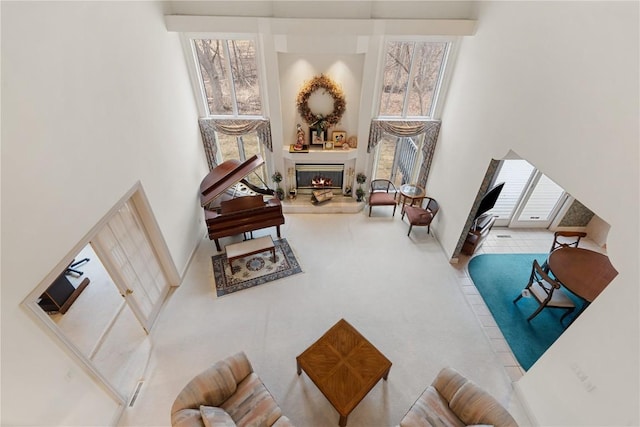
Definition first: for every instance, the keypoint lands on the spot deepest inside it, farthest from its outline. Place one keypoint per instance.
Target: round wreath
(318, 120)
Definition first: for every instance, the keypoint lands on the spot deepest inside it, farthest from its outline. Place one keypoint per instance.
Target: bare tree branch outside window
(219, 86)
(412, 72)
(422, 61)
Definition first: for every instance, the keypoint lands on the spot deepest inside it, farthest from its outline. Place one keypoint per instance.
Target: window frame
(442, 85)
(440, 91)
(200, 93)
(198, 81)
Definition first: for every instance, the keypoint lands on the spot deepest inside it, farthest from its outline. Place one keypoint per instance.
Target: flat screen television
(489, 200)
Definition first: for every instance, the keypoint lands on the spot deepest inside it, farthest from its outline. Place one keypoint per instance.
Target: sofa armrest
(471, 403)
(474, 405)
(215, 385)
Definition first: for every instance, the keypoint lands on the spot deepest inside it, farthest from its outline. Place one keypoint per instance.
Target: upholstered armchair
(453, 400)
(228, 394)
(382, 193)
(419, 216)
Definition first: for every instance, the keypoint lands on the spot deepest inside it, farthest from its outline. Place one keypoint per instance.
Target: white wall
(557, 82)
(296, 69)
(95, 96)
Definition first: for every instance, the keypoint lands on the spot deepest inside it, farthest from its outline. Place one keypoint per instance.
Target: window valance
(408, 128)
(232, 127)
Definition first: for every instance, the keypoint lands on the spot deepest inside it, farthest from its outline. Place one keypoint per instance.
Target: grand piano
(234, 206)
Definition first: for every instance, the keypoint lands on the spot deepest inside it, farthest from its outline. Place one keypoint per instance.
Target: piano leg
(278, 231)
(217, 245)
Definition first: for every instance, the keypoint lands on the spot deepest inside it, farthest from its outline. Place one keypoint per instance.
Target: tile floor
(506, 240)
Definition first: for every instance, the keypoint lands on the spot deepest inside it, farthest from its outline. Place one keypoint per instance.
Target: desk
(411, 192)
(585, 273)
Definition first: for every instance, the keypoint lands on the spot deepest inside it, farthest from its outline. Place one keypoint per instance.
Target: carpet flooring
(500, 278)
(401, 293)
(254, 270)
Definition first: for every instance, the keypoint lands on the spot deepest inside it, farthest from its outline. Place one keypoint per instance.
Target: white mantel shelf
(337, 155)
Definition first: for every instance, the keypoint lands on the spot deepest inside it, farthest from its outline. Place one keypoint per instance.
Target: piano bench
(250, 247)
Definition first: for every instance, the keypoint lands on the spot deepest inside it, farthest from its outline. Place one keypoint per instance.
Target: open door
(125, 249)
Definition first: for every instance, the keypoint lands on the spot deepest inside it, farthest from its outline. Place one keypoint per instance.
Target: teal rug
(500, 278)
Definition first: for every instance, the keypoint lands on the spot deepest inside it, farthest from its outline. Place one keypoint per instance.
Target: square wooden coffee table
(344, 366)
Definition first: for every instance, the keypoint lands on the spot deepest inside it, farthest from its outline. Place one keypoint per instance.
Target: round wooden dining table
(584, 272)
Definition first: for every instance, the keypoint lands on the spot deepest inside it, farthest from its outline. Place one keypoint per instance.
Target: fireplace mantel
(337, 155)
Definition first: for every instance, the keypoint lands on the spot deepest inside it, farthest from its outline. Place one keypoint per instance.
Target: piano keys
(231, 208)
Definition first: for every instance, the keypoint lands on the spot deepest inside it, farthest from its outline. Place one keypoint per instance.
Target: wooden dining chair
(546, 291)
(564, 239)
(382, 193)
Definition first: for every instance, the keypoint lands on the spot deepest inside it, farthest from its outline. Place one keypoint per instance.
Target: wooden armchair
(382, 193)
(419, 216)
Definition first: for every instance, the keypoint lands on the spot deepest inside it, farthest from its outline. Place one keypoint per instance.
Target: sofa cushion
(213, 416)
(431, 409)
(252, 404)
(473, 405)
(187, 418)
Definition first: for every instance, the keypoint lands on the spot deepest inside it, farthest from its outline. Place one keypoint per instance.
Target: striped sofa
(228, 394)
(453, 400)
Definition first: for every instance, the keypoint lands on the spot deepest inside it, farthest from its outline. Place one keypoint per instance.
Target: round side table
(411, 192)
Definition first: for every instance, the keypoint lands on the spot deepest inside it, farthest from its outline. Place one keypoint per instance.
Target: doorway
(127, 270)
(397, 158)
(102, 327)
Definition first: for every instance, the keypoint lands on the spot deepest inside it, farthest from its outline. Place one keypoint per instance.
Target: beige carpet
(400, 292)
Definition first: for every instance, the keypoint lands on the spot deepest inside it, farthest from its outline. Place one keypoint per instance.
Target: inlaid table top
(344, 366)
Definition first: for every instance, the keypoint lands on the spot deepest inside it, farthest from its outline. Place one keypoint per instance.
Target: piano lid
(225, 175)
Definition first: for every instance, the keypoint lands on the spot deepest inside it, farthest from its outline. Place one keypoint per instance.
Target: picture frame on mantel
(338, 137)
(317, 139)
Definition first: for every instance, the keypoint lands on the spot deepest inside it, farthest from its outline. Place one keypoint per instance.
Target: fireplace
(311, 177)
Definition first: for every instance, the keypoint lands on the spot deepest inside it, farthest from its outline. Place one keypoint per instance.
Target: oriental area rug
(254, 270)
(499, 278)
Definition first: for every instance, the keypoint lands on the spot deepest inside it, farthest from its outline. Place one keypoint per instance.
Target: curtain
(406, 128)
(232, 127)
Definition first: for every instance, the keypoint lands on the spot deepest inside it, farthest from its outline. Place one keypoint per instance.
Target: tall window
(412, 75)
(411, 79)
(230, 84)
(229, 73)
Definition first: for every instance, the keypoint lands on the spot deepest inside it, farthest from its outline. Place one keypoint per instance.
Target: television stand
(478, 232)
